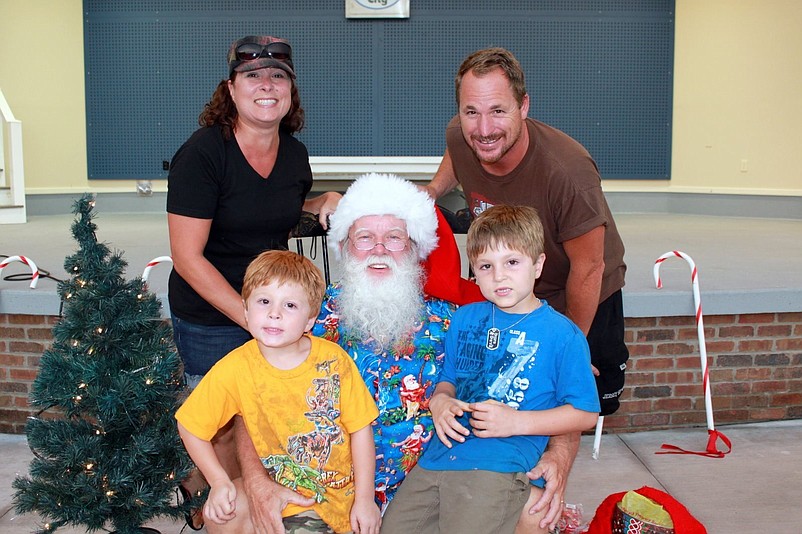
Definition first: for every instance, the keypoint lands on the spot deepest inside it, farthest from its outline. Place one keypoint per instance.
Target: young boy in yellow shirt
(302, 400)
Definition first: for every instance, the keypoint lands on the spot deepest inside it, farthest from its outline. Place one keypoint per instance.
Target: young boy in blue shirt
(515, 372)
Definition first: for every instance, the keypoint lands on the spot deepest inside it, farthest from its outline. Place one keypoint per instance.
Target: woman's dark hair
(220, 110)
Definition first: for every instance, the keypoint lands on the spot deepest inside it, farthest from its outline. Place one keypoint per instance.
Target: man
(382, 229)
(500, 156)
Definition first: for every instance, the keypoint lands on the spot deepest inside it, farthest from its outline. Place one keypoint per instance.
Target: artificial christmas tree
(107, 451)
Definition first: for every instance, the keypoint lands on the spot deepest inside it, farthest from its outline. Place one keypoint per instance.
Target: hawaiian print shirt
(401, 379)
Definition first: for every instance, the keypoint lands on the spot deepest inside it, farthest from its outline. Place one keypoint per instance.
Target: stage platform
(748, 251)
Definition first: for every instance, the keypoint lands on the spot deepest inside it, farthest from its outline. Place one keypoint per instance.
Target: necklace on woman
(494, 334)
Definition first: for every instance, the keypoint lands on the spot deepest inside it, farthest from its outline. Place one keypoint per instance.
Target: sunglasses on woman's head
(251, 51)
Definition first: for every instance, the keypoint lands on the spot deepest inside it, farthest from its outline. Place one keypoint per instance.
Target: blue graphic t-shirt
(541, 362)
(401, 379)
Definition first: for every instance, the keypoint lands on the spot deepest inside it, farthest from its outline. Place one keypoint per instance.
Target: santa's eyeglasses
(392, 242)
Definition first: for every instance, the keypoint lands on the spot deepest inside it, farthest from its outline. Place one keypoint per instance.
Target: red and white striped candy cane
(700, 329)
(152, 263)
(27, 261)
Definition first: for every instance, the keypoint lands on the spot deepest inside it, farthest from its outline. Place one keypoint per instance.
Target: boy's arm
(219, 507)
(445, 408)
(492, 419)
(365, 515)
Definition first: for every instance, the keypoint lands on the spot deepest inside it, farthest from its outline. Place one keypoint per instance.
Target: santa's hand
(267, 499)
(445, 411)
(553, 467)
(493, 419)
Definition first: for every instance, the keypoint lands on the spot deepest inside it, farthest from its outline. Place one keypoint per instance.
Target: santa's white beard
(385, 309)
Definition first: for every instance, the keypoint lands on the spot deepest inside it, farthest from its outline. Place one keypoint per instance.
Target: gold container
(623, 523)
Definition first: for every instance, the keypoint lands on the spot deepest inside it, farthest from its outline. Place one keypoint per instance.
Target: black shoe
(192, 514)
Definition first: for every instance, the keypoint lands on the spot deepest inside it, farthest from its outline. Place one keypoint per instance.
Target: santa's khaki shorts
(456, 501)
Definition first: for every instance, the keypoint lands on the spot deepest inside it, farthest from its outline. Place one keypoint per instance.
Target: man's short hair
(482, 62)
(515, 227)
(281, 267)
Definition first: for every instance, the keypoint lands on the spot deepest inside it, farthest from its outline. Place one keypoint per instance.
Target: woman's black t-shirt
(211, 179)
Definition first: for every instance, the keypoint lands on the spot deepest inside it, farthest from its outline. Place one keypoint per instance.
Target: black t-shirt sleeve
(193, 186)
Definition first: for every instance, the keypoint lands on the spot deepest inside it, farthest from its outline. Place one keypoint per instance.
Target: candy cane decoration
(713, 434)
(27, 261)
(152, 263)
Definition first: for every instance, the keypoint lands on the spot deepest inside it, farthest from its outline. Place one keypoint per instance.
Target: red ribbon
(711, 451)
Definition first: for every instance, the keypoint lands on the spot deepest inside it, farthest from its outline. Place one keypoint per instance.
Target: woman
(236, 188)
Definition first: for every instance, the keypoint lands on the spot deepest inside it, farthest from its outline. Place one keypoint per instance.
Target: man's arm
(583, 286)
(582, 291)
(444, 179)
(266, 498)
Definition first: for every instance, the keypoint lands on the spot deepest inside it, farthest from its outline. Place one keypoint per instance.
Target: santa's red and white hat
(386, 194)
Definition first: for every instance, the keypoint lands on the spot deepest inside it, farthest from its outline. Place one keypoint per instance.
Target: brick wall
(23, 338)
(755, 370)
(755, 364)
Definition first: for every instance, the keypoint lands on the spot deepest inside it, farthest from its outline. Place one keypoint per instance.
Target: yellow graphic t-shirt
(300, 420)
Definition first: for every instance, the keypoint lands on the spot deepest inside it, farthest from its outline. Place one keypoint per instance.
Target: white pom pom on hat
(386, 194)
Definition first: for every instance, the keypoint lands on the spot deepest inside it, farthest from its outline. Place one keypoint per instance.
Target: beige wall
(46, 93)
(737, 96)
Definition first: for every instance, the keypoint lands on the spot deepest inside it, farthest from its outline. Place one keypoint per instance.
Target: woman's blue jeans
(201, 346)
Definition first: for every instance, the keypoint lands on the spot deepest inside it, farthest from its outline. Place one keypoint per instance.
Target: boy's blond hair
(283, 266)
(515, 227)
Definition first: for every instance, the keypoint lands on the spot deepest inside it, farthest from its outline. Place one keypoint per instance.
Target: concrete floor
(754, 489)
